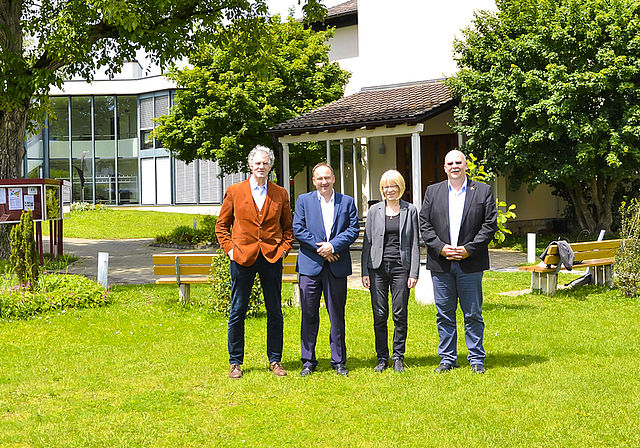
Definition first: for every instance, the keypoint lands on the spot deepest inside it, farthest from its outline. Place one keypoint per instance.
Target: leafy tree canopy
(45, 42)
(550, 93)
(231, 94)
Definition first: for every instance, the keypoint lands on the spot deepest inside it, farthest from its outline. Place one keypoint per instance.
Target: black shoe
(444, 367)
(306, 371)
(397, 365)
(341, 370)
(382, 364)
(477, 368)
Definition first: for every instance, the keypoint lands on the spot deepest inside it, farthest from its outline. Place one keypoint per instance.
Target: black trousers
(390, 276)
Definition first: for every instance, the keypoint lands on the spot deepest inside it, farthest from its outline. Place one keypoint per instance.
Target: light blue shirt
(259, 193)
(456, 207)
(327, 212)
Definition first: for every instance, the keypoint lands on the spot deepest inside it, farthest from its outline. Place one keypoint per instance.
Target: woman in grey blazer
(390, 261)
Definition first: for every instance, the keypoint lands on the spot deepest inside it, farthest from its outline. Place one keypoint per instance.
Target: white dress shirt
(259, 193)
(327, 213)
(456, 207)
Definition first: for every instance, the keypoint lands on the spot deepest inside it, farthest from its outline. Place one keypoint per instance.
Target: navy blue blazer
(479, 224)
(308, 229)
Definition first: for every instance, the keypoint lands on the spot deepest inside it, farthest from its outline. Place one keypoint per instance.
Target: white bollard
(424, 287)
(103, 268)
(531, 247)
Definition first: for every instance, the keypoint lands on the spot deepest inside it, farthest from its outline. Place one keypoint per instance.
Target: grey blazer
(372, 247)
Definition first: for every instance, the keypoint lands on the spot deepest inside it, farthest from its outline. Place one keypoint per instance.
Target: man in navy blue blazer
(325, 223)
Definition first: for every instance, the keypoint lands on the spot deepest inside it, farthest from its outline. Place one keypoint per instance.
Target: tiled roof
(343, 8)
(392, 106)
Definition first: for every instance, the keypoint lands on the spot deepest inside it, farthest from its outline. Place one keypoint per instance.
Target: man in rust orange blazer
(260, 214)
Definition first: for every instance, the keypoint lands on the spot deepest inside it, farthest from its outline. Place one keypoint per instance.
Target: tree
(550, 93)
(232, 94)
(65, 38)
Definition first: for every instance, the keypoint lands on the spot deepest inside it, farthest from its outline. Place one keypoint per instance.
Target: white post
(424, 287)
(342, 166)
(286, 172)
(416, 170)
(103, 268)
(531, 247)
(329, 152)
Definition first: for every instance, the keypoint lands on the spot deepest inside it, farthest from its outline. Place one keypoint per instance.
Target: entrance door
(434, 148)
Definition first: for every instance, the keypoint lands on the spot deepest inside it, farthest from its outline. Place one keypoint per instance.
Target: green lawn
(145, 372)
(121, 224)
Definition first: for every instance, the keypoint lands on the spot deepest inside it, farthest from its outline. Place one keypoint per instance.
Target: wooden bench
(598, 255)
(186, 269)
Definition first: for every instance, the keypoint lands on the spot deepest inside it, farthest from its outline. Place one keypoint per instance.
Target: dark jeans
(389, 276)
(242, 278)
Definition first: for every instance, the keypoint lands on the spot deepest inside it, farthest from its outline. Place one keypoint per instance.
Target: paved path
(130, 260)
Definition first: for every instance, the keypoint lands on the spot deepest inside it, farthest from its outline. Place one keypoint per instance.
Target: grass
(121, 224)
(145, 372)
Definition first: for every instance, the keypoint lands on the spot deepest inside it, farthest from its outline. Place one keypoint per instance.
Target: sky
(282, 6)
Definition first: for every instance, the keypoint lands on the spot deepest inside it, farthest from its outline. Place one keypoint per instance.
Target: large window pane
(59, 169)
(59, 128)
(34, 169)
(128, 180)
(82, 189)
(127, 126)
(105, 181)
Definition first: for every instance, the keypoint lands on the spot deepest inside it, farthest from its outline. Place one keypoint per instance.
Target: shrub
(219, 299)
(24, 256)
(204, 234)
(84, 206)
(52, 293)
(628, 258)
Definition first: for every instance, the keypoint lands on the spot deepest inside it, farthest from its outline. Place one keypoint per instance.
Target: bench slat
(184, 270)
(588, 246)
(582, 256)
(204, 259)
(188, 280)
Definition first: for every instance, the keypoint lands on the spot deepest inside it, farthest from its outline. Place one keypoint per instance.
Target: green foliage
(628, 258)
(24, 256)
(233, 92)
(53, 292)
(204, 233)
(219, 299)
(84, 206)
(47, 42)
(549, 93)
(478, 173)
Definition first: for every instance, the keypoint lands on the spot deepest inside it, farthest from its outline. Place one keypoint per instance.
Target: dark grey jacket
(479, 224)
(373, 245)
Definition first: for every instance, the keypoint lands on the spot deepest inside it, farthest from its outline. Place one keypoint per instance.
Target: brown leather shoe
(277, 369)
(235, 372)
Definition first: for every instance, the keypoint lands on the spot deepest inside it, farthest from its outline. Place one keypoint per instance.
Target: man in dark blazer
(326, 224)
(458, 220)
(255, 230)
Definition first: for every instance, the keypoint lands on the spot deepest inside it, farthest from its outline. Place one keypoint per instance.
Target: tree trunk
(595, 214)
(13, 124)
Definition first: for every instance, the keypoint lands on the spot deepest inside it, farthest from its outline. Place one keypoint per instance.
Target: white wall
(408, 40)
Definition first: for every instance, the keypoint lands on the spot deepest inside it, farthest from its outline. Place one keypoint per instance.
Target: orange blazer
(269, 230)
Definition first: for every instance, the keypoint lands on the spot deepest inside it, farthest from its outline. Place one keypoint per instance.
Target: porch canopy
(399, 110)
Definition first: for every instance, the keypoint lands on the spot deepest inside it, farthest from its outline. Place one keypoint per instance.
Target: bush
(628, 258)
(219, 299)
(84, 206)
(24, 256)
(52, 293)
(204, 234)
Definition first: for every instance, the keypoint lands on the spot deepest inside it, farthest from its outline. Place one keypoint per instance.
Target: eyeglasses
(390, 187)
(457, 162)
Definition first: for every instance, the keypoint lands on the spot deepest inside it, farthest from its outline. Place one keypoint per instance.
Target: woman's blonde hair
(391, 177)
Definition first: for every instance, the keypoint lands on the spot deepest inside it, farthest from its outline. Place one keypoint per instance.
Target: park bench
(187, 269)
(598, 255)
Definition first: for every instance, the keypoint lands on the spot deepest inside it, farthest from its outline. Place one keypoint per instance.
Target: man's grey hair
(264, 149)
